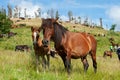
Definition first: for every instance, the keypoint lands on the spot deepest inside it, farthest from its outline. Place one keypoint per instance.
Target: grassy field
(21, 65)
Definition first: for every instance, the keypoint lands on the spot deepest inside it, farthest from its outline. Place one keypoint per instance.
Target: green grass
(21, 65)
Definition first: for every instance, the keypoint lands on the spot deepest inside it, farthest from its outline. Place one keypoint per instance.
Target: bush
(5, 24)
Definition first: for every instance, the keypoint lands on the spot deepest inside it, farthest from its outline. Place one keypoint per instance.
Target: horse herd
(68, 45)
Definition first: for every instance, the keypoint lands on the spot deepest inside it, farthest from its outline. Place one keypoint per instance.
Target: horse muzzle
(45, 42)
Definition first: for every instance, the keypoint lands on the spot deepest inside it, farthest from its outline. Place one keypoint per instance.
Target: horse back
(91, 40)
(79, 43)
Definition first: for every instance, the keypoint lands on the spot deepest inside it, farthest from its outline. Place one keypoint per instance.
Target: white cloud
(30, 8)
(64, 18)
(114, 14)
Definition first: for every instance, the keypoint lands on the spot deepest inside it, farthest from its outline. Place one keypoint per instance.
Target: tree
(35, 14)
(79, 18)
(3, 11)
(86, 21)
(52, 13)
(25, 13)
(70, 15)
(5, 24)
(100, 22)
(16, 12)
(39, 12)
(9, 11)
(113, 27)
(57, 14)
(48, 13)
(19, 14)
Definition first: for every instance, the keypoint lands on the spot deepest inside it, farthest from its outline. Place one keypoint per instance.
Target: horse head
(48, 30)
(35, 34)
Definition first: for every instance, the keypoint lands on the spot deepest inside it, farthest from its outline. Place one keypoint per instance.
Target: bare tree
(25, 13)
(57, 14)
(48, 13)
(79, 18)
(86, 21)
(39, 12)
(101, 22)
(52, 13)
(19, 12)
(35, 14)
(16, 11)
(9, 11)
(70, 15)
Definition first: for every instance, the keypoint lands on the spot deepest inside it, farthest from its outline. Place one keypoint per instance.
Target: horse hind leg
(68, 64)
(85, 63)
(93, 56)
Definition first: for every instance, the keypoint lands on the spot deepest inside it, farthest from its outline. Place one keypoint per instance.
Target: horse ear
(54, 20)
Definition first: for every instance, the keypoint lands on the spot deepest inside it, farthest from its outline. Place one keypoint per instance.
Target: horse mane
(59, 32)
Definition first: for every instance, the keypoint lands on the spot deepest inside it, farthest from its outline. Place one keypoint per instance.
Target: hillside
(21, 65)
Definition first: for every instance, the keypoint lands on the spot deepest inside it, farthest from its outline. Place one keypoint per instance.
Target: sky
(108, 10)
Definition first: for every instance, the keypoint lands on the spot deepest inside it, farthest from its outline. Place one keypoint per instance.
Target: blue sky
(108, 10)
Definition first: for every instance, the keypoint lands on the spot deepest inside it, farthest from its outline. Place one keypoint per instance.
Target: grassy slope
(20, 65)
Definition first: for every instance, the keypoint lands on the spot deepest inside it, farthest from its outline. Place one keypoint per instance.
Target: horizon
(108, 10)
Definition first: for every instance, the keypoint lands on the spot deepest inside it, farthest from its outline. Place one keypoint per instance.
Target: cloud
(64, 18)
(30, 8)
(114, 14)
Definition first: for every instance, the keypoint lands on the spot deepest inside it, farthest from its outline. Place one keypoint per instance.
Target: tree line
(51, 13)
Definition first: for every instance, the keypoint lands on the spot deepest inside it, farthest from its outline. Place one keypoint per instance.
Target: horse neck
(39, 42)
(59, 33)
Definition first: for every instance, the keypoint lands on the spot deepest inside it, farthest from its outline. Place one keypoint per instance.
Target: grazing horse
(115, 45)
(40, 51)
(118, 52)
(22, 48)
(107, 53)
(69, 44)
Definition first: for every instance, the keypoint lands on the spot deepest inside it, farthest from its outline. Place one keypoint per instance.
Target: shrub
(5, 24)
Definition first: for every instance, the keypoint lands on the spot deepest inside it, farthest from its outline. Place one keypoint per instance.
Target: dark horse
(69, 44)
(118, 53)
(40, 51)
(108, 53)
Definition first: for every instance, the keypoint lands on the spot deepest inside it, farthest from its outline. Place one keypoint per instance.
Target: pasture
(21, 65)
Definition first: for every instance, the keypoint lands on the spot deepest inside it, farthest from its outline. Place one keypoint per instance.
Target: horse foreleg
(85, 63)
(119, 56)
(43, 62)
(37, 63)
(48, 60)
(64, 59)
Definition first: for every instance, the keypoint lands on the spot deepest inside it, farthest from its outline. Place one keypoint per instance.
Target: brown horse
(69, 44)
(40, 51)
(107, 53)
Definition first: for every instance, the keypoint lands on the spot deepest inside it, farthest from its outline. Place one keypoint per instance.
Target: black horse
(118, 53)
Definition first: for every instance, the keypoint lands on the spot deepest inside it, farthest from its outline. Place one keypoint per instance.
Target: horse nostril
(47, 41)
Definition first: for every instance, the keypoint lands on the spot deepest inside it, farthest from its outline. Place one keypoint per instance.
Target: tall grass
(21, 65)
